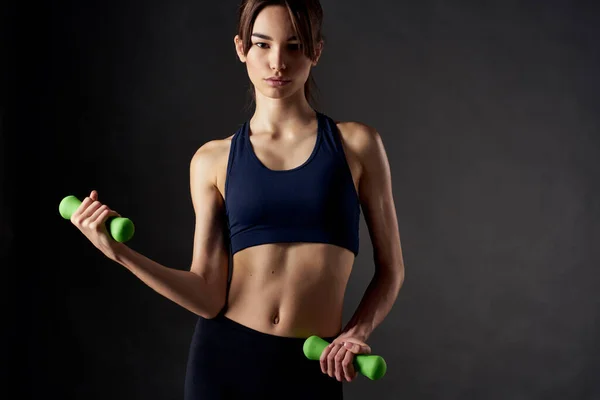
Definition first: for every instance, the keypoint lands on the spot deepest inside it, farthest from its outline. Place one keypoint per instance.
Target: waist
(293, 290)
(227, 324)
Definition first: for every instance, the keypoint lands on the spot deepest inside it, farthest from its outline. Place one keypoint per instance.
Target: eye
(259, 44)
(295, 46)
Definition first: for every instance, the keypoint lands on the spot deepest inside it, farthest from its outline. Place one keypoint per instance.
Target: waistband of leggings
(222, 320)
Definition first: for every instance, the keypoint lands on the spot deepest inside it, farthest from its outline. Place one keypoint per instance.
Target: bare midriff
(290, 289)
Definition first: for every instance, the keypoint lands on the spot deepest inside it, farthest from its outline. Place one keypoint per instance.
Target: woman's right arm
(202, 289)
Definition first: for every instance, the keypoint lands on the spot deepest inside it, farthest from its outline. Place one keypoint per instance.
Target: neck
(282, 115)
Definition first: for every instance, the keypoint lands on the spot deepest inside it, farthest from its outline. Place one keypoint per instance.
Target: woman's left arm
(377, 201)
(376, 197)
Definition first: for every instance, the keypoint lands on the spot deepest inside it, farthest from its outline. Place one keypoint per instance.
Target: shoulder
(360, 138)
(212, 151)
(210, 156)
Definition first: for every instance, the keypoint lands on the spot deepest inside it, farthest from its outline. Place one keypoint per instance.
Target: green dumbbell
(371, 366)
(121, 229)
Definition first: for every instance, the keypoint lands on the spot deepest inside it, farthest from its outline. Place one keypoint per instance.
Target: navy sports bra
(315, 202)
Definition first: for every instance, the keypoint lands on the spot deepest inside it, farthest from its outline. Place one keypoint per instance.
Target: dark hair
(306, 17)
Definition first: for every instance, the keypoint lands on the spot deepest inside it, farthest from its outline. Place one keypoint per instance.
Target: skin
(284, 289)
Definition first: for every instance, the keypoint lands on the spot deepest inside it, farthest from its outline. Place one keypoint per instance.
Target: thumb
(357, 348)
(113, 213)
(94, 195)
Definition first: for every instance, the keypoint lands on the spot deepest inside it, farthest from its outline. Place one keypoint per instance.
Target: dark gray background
(489, 114)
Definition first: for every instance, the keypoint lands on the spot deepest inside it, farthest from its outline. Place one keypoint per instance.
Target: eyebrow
(263, 36)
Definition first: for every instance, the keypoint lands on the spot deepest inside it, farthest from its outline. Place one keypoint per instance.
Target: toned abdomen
(293, 290)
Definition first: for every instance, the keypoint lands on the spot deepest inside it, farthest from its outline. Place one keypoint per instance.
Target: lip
(277, 81)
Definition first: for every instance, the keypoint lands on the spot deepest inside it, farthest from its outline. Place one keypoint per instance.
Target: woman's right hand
(90, 218)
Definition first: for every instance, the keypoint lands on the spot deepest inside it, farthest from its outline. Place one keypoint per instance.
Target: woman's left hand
(337, 359)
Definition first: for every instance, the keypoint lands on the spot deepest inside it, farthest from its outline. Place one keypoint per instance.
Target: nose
(277, 59)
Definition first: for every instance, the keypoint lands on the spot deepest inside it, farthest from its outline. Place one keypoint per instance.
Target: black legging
(228, 360)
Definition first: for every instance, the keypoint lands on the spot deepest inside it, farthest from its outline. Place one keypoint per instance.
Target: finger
(84, 217)
(87, 208)
(82, 207)
(99, 222)
(94, 195)
(348, 366)
(101, 219)
(323, 358)
(339, 367)
(94, 217)
(331, 360)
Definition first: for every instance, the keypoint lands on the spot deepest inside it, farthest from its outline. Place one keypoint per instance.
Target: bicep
(210, 253)
(376, 197)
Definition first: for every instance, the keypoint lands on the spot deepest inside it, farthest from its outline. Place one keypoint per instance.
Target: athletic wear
(229, 361)
(314, 202)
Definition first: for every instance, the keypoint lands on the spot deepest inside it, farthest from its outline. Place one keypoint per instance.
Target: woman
(282, 195)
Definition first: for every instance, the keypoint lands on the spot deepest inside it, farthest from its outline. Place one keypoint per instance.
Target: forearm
(375, 305)
(185, 288)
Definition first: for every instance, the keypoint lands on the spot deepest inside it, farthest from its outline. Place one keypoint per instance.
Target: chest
(282, 157)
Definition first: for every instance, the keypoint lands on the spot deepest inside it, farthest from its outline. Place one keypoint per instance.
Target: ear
(239, 48)
(319, 51)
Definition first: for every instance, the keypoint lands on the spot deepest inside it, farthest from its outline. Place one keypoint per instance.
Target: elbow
(210, 296)
(393, 276)
(208, 312)
(400, 277)
(215, 310)
(214, 306)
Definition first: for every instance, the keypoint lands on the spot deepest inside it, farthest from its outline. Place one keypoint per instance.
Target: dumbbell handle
(372, 366)
(121, 229)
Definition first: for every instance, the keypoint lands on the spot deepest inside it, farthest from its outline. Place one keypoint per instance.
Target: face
(275, 52)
